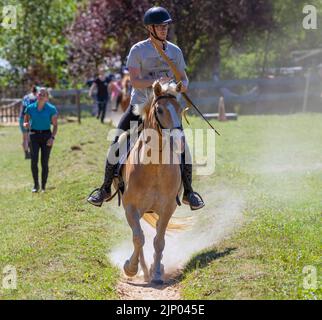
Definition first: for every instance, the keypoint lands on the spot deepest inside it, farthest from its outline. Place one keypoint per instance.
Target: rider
(145, 66)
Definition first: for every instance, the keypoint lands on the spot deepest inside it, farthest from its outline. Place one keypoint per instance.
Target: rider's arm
(184, 80)
(136, 82)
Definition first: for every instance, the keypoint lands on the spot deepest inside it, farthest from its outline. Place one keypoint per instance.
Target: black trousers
(38, 141)
(101, 105)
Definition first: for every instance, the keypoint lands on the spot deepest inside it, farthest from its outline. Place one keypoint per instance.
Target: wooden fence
(246, 96)
(9, 110)
(260, 96)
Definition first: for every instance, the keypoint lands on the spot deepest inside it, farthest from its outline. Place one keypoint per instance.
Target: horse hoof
(129, 272)
(157, 282)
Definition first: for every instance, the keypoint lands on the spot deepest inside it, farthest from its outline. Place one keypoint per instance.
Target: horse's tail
(152, 218)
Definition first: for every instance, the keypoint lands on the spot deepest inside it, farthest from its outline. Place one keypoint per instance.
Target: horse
(151, 190)
(126, 92)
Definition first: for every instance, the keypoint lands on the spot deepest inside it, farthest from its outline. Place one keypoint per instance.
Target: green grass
(276, 163)
(59, 244)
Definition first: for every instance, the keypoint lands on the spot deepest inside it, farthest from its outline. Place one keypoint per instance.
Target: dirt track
(137, 289)
(216, 221)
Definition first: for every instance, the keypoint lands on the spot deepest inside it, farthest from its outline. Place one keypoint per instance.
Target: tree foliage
(58, 40)
(106, 27)
(36, 48)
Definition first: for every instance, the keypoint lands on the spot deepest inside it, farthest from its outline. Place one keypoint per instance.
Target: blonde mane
(143, 109)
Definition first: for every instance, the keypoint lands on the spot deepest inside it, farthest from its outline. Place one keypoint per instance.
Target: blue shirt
(41, 120)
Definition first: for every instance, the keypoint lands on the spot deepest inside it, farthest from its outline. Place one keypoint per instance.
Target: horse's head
(164, 113)
(165, 108)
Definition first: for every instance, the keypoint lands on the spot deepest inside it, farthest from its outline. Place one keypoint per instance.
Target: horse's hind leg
(131, 265)
(159, 243)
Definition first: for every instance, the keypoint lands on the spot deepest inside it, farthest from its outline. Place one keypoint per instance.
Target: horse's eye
(159, 110)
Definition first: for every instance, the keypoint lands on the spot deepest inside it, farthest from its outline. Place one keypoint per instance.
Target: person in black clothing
(101, 83)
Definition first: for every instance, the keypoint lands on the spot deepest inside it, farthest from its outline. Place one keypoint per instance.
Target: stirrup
(188, 200)
(97, 204)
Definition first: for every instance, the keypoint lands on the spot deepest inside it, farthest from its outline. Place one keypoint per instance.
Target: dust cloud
(208, 226)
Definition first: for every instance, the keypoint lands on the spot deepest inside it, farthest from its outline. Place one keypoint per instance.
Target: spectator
(116, 90)
(101, 83)
(126, 90)
(38, 118)
(26, 101)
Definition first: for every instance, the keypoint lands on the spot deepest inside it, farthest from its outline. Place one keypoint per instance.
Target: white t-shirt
(145, 57)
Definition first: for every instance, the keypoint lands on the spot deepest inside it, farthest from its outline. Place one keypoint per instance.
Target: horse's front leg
(156, 270)
(131, 265)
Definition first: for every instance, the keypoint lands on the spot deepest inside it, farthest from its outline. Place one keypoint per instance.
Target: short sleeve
(181, 64)
(54, 111)
(134, 59)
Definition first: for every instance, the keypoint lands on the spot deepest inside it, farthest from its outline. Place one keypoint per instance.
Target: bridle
(161, 127)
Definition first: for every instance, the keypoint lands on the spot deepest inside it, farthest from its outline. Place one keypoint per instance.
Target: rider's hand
(26, 125)
(183, 88)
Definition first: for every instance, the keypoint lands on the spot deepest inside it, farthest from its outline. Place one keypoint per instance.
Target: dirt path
(137, 289)
(222, 215)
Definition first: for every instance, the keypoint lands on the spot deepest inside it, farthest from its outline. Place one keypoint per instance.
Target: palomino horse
(151, 188)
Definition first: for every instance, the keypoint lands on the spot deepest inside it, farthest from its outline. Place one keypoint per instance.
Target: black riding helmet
(157, 15)
(154, 16)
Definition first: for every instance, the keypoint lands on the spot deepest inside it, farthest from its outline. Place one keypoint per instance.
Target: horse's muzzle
(177, 140)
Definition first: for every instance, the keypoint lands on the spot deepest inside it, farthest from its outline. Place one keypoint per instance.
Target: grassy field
(59, 244)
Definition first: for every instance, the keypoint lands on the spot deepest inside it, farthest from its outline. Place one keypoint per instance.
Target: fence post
(78, 105)
(306, 91)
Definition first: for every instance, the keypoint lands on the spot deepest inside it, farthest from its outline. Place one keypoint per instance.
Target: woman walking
(38, 118)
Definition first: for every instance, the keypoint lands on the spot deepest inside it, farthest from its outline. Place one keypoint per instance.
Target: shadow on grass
(203, 259)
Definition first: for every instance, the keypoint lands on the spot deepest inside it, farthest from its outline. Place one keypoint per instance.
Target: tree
(108, 27)
(36, 48)
(104, 29)
(201, 26)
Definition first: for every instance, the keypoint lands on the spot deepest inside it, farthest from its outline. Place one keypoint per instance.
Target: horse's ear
(157, 89)
(179, 86)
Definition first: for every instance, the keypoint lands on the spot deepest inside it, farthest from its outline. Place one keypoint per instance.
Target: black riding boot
(189, 196)
(98, 196)
(104, 193)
